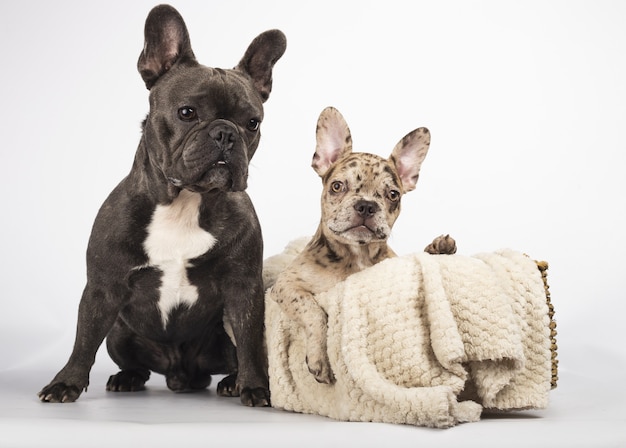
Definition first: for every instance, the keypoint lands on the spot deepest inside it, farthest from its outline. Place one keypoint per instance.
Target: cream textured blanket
(426, 340)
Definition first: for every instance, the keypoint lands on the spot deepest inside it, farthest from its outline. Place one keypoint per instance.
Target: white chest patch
(174, 237)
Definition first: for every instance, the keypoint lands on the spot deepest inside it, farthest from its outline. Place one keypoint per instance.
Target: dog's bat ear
(408, 155)
(334, 140)
(258, 61)
(166, 42)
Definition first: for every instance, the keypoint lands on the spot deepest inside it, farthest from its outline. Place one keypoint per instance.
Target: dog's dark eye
(253, 124)
(336, 186)
(393, 195)
(187, 113)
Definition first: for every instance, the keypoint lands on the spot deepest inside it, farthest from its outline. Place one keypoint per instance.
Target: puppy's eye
(253, 125)
(187, 113)
(336, 186)
(393, 195)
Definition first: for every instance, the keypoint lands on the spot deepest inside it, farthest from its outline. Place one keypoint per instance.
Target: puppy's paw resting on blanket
(442, 245)
(319, 366)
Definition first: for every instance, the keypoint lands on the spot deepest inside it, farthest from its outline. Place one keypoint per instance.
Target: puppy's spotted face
(361, 198)
(362, 191)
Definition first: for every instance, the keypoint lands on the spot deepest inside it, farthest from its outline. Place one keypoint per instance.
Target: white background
(526, 103)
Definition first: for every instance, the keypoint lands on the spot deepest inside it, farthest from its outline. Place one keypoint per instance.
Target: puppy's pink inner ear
(408, 172)
(408, 156)
(322, 160)
(334, 140)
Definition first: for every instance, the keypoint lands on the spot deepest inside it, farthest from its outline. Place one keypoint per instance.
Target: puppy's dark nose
(366, 209)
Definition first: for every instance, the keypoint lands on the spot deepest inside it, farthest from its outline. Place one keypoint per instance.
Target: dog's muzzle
(214, 157)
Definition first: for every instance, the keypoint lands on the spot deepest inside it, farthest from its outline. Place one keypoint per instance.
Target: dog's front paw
(442, 245)
(59, 393)
(319, 366)
(256, 397)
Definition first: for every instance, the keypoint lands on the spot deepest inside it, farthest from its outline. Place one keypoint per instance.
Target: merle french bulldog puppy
(360, 204)
(175, 255)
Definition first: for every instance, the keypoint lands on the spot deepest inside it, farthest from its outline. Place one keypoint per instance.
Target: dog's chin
(218, 177)
(361, 235)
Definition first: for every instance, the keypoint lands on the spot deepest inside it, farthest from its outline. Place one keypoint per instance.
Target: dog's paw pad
(257, 397)
(442, 245)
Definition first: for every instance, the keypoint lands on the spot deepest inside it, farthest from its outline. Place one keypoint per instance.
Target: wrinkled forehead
(361, 168)
(200, 85)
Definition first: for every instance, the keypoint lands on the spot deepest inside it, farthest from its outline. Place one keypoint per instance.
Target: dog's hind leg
(128, 380)
(213, 354)
(130, 352)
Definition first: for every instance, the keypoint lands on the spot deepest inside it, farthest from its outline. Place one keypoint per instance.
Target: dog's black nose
(366, 209)
(224, 136)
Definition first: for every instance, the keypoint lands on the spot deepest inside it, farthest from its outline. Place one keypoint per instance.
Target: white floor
(586, 410)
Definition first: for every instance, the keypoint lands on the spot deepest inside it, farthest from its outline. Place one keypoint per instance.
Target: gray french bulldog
(175, 256)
